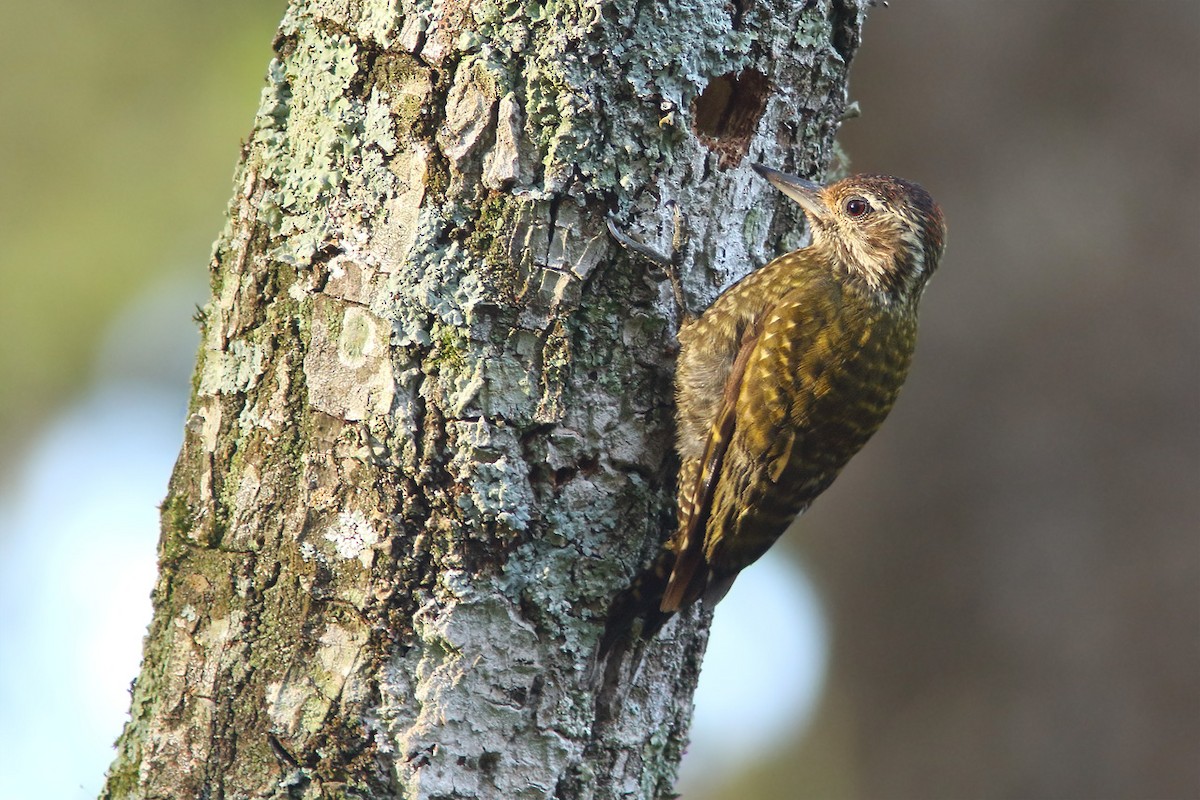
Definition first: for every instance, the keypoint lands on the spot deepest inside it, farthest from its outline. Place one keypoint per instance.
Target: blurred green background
(120, 126)
(120, 129)
(1011, 569)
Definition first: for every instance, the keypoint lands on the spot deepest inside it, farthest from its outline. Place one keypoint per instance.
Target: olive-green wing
(775, 465)
(687, 580)
(760, 394)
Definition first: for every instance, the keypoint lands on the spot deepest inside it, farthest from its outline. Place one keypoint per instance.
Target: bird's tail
(635, 614)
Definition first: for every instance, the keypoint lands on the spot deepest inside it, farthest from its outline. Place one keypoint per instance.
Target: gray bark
(429, 437)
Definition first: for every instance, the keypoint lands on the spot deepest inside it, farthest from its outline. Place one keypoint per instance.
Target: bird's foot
(668, 264)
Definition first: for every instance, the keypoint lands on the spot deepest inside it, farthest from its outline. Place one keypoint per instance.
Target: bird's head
(887, 232)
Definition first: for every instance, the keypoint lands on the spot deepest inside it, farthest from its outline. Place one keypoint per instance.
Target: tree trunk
(430, 432)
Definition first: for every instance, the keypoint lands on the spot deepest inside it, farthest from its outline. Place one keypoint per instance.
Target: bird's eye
(857, 207)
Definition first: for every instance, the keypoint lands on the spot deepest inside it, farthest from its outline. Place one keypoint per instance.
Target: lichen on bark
(430, 433)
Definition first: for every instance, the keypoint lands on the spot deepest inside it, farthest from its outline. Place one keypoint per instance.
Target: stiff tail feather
(635, 614)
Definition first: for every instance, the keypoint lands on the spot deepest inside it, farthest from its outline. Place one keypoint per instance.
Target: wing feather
(685, 584)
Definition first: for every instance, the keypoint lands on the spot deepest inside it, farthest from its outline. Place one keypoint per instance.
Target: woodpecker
(785, 377)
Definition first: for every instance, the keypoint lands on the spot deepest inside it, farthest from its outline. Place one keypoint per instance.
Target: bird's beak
(806, 193)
